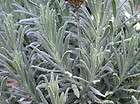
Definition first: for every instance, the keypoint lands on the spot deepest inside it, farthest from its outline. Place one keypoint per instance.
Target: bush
(59, 54)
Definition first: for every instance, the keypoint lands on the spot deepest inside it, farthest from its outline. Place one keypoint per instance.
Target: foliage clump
(61, 55)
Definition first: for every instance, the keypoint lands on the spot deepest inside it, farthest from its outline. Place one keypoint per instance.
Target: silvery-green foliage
(52, 88)
(12, 57)
(51, 38)
(64, 56)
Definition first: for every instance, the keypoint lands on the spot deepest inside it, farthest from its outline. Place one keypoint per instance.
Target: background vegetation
(53, 54)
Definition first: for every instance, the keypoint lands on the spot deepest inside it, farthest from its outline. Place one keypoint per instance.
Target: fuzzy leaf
(132, 80)
(114, 7)
(76, 91)
(97, 92)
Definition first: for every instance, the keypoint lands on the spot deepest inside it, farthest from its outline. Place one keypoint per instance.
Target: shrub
(59, 54)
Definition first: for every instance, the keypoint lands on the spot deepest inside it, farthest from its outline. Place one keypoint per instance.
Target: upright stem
(78, 28)
(78, 23)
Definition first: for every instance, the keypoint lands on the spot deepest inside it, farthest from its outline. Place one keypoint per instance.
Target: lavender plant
(59, 54)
